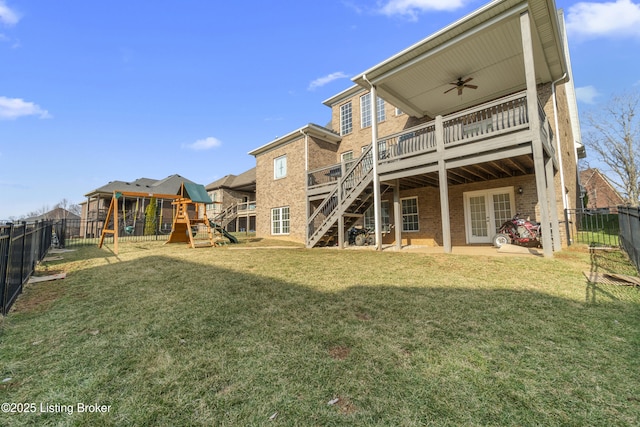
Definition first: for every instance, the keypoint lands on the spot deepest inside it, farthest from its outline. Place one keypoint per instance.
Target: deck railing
(354, 175)
(502, 116)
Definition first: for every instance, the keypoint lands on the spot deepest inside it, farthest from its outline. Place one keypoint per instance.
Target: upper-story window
(365, 110)
(347, 159)
(280, 167)
(346, 120)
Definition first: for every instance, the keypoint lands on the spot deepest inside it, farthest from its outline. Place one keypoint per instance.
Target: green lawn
(232, 336)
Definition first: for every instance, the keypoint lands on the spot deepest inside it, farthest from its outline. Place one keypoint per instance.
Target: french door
(485, 211)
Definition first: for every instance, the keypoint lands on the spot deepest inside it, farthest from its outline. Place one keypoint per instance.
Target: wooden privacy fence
(22, 246)
(629, 218)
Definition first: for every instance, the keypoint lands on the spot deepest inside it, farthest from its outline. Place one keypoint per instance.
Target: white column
(553, 205)
(376, 179)
(536, 143)
(443, 185)
(397, 214)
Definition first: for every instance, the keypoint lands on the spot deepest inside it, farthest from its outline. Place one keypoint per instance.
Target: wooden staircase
(349, 199)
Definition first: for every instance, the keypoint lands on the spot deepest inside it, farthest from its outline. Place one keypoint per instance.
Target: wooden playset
(190, 222)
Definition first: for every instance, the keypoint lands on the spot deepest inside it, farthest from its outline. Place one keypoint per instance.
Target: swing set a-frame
(190, 215)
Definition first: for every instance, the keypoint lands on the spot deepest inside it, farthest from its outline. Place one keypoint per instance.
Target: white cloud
(321, 81)
(7, 16)
(412, 8)
(587, 94)
(619, 18)
(12, 108)
(203, 144)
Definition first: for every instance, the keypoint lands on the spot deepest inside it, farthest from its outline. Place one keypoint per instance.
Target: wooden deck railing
(504, 115)
(354, 175)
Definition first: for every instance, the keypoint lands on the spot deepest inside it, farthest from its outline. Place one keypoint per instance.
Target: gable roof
(195, 192)
(246, 181)
(168, 185)
(311, 129)
(57, 213)
(600, 192)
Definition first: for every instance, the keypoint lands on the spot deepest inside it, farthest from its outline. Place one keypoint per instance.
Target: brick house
(439, 144)
(94, 209)
(234, 201)
(600, 193)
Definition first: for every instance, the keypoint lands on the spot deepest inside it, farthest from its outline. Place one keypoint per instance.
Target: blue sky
(95, 91)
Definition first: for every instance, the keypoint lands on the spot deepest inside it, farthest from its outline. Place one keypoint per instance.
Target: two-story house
(439, 144)
(94, 209)
(234, 201)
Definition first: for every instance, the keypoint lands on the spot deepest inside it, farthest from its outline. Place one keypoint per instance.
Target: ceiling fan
(461, 84)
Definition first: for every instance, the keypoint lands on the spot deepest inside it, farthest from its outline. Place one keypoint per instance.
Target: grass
(168, 336)
(598, 238)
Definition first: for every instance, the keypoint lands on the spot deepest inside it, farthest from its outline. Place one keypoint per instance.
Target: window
(346, 122)
(410, 221)
(214, 207)
(347, 159)
(280, 220)
(398, 112)
(370, 221)
(365, 110)
(280, 167)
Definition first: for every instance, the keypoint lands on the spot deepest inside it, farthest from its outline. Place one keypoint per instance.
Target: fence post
(567, 225)
(4, 277)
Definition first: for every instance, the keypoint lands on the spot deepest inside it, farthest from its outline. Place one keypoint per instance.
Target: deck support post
(341, 231)
(443, 185)
(397, 215)
(536, 143)
(377, 215)
(553, 206)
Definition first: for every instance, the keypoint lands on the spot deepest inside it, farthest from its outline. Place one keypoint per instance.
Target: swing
(129, 229)
(112, 215)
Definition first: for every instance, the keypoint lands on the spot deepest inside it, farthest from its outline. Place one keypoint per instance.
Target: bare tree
(614, 134)
(68, 206)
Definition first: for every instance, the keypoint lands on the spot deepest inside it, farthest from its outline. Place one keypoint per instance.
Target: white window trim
(275, 167)
(417, 214)
(280, 221)
(365, 107)
(385, 219)
(342, 121)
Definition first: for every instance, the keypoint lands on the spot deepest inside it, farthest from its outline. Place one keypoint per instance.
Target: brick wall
(360, 137)
(288, 191)
(430, 233)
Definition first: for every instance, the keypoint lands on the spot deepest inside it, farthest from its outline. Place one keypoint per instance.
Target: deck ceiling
(486, 45)
(504, 168)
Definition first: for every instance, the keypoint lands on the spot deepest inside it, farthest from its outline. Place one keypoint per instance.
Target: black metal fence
(80, 232)
(22, 246)
(630, 232)
(594, 227)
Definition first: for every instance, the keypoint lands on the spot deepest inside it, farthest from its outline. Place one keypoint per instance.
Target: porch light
(520, 190)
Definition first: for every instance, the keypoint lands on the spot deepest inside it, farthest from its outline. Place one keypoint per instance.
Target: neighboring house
(599, 192)
(471, 125)
(54, 214)
(234, 201)
(94, 210)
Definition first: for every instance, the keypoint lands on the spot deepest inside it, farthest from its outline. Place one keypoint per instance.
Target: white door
(485, 211)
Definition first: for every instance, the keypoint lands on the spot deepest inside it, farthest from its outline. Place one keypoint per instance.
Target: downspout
(559, 148)
(374, 152)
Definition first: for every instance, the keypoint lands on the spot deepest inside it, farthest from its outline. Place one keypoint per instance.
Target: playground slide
(224, 232)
